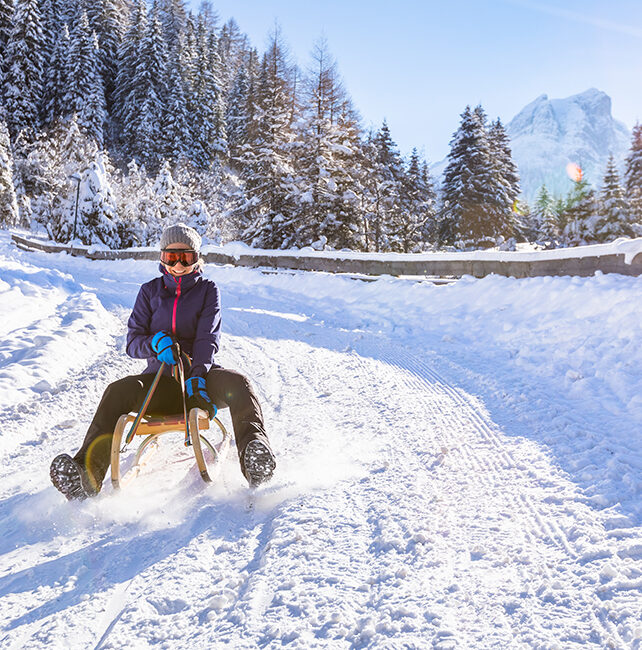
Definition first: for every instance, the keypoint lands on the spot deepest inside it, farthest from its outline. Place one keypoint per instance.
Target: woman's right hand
(164, 345)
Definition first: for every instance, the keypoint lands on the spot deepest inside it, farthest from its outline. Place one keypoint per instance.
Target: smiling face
(178, 269)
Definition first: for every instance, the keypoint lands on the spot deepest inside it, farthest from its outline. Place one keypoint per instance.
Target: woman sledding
(180, 306)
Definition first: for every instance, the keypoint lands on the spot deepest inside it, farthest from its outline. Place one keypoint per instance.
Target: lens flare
(574, 172)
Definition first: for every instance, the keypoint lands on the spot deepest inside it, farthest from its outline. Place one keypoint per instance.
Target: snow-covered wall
(622, 256)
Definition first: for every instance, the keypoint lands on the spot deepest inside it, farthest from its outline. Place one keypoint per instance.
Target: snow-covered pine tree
(22, 91)
(8, 205)
(6, 21)
(176, 130)
(266, 217)
(97, 215)
(57, 83)
(240, 105)
(237, 113)
(107, 19)
(418, 202)
(546, 218)
(326, 153)
(173, 17)
(85, 92)
(385, 188)
(52, 24)
(505, 180)
(205, 99)
(633, 176)
(145, 105)
(82, 64)
(233, 49)
(581, 213)
(467, 212)
(209, 15)
(169, 197)
(613, 219)
(125, 93)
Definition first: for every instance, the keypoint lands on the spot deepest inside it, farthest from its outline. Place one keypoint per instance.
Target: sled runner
(153, 427)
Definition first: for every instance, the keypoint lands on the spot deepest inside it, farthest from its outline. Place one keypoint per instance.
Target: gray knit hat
(181, 234)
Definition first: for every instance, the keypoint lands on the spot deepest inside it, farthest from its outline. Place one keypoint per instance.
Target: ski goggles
(172, 257)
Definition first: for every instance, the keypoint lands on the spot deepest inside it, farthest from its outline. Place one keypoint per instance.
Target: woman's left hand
(197, 396)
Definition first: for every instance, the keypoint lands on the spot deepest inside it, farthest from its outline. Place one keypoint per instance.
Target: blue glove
(164, 346)
(197, 396)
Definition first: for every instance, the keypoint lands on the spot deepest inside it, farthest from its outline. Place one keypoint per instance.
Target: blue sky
(417, 64)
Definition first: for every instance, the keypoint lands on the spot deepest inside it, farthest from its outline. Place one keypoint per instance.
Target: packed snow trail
(424, 496)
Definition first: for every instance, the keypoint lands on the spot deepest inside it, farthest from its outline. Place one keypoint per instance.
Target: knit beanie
(181, 234)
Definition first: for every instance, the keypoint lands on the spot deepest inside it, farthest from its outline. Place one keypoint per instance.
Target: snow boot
(70, 478)
(258, 463)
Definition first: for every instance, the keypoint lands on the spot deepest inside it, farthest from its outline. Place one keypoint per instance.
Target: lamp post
(76, 177)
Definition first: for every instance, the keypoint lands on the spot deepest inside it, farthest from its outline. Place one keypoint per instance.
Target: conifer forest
(119, 117)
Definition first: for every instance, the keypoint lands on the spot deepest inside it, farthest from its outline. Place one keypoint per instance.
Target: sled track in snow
(546, 542)
(495, 464)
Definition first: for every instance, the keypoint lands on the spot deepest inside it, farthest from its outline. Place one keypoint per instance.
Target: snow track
(402, 514)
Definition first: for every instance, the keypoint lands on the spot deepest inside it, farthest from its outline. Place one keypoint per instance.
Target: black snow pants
(226, 388)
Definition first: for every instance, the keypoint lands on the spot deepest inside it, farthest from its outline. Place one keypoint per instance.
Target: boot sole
(259, 463)
(67, 478)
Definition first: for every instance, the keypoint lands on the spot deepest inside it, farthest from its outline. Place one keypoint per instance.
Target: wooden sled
(153, 427)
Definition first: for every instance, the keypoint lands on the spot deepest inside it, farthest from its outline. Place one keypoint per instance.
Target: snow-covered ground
(459, 466)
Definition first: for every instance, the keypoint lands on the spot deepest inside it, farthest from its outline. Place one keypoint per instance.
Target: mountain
(548, 134)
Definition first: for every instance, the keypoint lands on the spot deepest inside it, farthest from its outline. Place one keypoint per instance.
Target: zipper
(178, 295)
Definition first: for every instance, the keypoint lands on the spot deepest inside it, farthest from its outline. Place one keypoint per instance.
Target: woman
(180, 306)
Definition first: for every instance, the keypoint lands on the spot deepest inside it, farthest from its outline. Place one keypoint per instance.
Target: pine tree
(266, 217)
(581, 213)
(546, 218)
(97, 215)
(505, 180)
(613, 208)
(467, 212)
(57, 84)
(418, 205)
(205, 99)
(85, 95)
(386, 188)
(106, 20)
(233, 50)
(8, 205)
(23, 79)
(125, 92)
(633, 175)
(6, 21)
(145, 105)
(173, 18)
(326, 154)
(175, 132)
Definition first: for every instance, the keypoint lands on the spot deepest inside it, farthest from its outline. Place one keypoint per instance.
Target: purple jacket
(189, 307)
